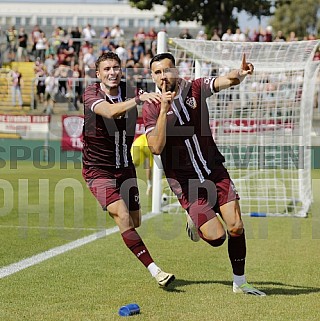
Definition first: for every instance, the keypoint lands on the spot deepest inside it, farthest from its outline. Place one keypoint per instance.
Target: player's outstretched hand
(246, 67)
(150, 97)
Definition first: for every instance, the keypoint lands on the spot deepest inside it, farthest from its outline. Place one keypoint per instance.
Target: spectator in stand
(85, 47)
(88, 33)
(50, 63)
(89, 60)
(238, 36)
(292, 36)
(68, 50)
(17, 85)
(122, 53)
(75, 86)
(268, 34)
(12, 42)
(215, 35)
(40, 73)
(57, 36)
(22, 54)
(280, 37)
(52, 87)
(141, 37)
(185, 34)
(105, 46)
(35, 34)
(137, 51)
(152, 34)
(41, 46)
(201, 35)
(76, 35)
(105, 33)
(116, 34)
(227, 36)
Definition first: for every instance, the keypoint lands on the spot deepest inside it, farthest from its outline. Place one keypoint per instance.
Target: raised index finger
(244, 63)
(163, 89)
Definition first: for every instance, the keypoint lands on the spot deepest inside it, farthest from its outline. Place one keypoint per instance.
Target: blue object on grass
(129, 309)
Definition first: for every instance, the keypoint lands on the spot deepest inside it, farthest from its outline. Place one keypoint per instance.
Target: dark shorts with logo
(111, 185)
(203, 200)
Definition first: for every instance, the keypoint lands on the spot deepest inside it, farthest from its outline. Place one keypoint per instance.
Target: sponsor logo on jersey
(191, 102)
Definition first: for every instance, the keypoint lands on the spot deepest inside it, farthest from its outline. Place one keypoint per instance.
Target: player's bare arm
(107, 110)
(157, 137)
(234, 77)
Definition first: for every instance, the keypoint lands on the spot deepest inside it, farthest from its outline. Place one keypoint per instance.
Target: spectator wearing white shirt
(227, 36)
(117, 34)
(238, 36)
(88, 33)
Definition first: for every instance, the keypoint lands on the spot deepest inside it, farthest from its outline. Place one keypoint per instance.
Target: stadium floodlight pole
(157, 170)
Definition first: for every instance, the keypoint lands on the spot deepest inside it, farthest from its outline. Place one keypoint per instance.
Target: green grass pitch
(91, 282)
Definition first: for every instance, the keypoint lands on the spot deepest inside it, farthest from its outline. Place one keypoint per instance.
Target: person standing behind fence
(12, 38)
(22, 54)
(52, 87)
(17, 85)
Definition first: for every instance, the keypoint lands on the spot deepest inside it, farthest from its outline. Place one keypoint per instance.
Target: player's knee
(217, 242)
(235, 230)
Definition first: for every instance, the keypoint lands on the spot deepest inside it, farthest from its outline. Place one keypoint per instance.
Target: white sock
(153, 268)
(239, 279)
(149, 183)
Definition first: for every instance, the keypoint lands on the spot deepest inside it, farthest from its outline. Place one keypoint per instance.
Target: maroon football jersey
(107, 142)
(190, 151)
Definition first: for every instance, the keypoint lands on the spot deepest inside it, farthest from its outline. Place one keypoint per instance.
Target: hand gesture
(246, 67)
(166, 98)
(150, 97)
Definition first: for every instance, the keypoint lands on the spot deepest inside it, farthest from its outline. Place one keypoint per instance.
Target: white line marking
(38, 258)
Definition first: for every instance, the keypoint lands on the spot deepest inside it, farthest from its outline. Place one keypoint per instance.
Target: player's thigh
(231, 214)
(213, 229)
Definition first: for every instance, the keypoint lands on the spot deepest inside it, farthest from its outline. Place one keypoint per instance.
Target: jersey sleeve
(92, 97)
(204, 86)
(150, 115)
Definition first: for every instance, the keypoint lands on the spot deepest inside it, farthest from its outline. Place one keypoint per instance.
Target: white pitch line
(38, 258)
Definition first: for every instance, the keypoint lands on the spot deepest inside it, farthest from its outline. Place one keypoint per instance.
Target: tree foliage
(300, 16)
(210, 13)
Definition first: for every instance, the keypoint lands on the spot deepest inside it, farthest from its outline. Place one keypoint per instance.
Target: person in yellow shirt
(141, 155)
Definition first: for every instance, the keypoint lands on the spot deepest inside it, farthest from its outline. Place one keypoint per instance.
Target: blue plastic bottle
(129, 309)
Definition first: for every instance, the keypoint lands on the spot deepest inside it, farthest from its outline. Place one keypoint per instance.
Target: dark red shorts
(110, 185)
(203, 200)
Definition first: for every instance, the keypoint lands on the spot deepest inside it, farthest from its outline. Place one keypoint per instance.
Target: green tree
(300, 16)
(210, 13)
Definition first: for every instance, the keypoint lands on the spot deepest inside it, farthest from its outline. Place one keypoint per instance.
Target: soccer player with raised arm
(178, 129)
(108, 132)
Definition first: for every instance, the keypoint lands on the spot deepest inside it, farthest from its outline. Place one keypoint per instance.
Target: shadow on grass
(270, 288)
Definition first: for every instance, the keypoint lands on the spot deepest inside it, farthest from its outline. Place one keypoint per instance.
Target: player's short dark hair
(107, 56)
(161, 56)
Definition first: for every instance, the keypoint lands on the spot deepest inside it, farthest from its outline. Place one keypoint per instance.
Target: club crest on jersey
(191, 102)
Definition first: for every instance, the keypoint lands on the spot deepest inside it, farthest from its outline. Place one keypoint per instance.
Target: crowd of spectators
(70, 55)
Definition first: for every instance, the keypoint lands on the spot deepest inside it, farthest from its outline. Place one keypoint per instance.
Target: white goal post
(263, 126)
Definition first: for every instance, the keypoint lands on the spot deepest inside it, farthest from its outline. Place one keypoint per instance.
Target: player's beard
(172, 87)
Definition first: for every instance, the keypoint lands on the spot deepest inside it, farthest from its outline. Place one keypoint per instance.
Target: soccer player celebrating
(178, 129)
(109, 127)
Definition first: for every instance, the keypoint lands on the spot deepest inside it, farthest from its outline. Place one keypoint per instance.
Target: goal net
(263, 126)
